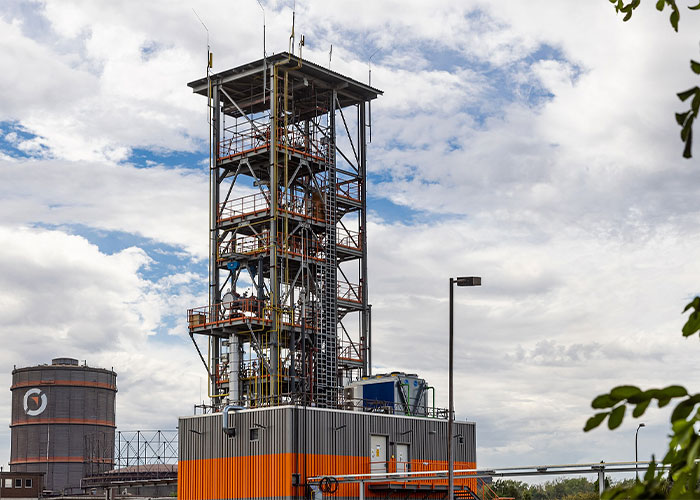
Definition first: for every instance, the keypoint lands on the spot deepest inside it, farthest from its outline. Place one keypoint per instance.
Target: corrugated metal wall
(55, 410)
(272, 444)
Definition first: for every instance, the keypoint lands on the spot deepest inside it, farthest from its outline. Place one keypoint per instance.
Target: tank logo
(34, 402)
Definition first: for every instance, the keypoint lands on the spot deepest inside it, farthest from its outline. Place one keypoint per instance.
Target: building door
(402, 458)
(377, 454)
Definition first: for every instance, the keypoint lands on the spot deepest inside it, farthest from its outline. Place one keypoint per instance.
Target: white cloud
(59, 295)
(167, 205)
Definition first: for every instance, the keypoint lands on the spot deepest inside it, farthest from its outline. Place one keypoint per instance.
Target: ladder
(326, 341)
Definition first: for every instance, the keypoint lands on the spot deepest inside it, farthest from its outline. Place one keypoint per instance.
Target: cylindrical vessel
(63, 421)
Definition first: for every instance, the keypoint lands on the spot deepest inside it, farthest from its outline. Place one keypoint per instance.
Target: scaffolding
(288, 319)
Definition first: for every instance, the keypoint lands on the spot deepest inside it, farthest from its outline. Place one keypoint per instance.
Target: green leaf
(660, 5)
(697, 7)
(683, 96)
(679, 427)
(604, 401)
(692, 455)
(682, 411)
(628, 16)
(680, 119)
(663, 401)
(692, 325)
(675, 16)
(673, 391)
(641, 408)
(616, 417)
(624, 392)
(595, 421)
(642, 396)
(686, 130)
(695, 66)
(688, 150)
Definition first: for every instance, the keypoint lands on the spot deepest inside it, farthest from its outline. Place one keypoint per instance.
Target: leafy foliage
(561, 489)
(509, 488)
(682, 460)
(654, 485)
(684, 120)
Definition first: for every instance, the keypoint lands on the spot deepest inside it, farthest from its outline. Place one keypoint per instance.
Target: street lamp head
(642, 424)
(468, 281)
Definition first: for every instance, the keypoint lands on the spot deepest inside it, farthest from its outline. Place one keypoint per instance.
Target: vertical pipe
(450, 416)
(214, 294)
(369, 340)
(364, 332)
(286, 201)
(636, 456)
(234, 362)
(274, 278)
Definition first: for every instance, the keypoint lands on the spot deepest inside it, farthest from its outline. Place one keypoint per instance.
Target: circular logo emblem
(34, 402)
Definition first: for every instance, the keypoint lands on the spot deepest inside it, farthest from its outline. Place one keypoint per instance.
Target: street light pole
(463, 281)
(636, 457)
(450, 409)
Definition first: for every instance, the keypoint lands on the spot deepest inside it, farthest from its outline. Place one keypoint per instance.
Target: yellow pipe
(275, 72)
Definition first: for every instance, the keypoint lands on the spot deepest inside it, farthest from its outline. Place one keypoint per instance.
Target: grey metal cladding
(69, 402)
(80, 402)
(320, 431)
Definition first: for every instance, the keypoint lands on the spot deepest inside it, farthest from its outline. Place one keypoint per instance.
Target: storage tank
(59, 412)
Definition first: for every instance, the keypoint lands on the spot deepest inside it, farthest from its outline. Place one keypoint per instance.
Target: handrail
(293, 245)
(349, 292)
(248, 139)
(244, 309)
(297, 246)
(251, 308)
(293, 203)
(348, 239)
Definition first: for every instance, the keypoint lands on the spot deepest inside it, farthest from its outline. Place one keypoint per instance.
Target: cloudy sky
(531, 143)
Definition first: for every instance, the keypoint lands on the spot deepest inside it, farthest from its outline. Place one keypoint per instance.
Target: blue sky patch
(15, 141)
(166, 259)
(145, 158)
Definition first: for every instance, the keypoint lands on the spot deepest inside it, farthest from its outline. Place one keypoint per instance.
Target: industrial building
(269, 452)
(63, 417)
(286, 335)
(21, 485)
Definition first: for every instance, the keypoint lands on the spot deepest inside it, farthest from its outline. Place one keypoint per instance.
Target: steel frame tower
(288, 219)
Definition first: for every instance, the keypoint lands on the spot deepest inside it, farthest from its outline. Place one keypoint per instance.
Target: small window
(8, 483)
(18, 483)
(254, 434)
(27, 483)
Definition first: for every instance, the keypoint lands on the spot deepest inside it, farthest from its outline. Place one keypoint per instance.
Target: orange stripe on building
(69, 383)
(269, 476)
(84, 421)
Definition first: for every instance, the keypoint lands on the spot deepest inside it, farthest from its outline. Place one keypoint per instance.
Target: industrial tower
(288, 320)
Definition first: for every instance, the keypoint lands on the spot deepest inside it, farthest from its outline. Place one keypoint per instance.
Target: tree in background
(510, 488)
(561, 489)
(686, 119)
